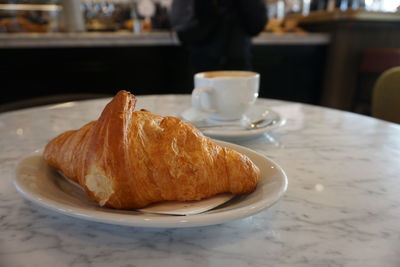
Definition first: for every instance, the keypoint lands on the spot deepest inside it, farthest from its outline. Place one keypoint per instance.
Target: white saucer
(234, 130)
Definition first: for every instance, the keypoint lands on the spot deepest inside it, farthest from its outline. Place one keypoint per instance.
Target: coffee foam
(228, 74)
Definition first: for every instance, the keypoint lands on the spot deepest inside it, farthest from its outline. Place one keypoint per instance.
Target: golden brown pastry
(129, 159)
(21, 24)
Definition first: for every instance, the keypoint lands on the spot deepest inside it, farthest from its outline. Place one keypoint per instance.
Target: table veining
(342, 207)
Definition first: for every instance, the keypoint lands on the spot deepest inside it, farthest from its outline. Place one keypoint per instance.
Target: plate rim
(162, 221)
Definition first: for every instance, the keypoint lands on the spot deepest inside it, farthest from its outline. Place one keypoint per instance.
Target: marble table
(342, 207)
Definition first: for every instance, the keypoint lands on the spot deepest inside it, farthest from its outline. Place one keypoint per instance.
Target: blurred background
(322, 52)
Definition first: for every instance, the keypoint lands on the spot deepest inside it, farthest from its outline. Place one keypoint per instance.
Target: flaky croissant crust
(128, 159)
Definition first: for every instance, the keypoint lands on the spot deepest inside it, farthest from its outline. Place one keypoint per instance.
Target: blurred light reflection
(319, 187)
(63, 105)
(20, 131)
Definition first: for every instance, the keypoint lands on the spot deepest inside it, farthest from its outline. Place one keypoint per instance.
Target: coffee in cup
(225, 95)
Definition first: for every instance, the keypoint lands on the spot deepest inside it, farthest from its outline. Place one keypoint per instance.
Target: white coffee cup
(225, 95)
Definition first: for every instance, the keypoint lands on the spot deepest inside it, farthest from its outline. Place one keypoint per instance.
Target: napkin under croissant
(128, 159)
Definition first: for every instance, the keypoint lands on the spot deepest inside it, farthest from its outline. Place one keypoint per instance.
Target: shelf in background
(292, 39)
(354, 15)
(115, 39)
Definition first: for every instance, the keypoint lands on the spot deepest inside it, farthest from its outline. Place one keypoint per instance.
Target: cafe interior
(334, 51)
(323, 130)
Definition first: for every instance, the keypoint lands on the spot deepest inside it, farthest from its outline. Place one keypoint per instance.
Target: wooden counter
(352, 33)
(35, 65)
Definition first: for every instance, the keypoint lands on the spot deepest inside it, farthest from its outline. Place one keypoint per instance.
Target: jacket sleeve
(205, 9)
(181, 14)
(186, 13)
(253, 15)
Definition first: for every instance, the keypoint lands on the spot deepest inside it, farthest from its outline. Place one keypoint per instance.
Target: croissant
(128, 159)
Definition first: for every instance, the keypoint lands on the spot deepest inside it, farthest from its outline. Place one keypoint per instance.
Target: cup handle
(198, 94)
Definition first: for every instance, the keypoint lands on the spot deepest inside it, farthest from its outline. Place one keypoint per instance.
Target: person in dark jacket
(218, 33)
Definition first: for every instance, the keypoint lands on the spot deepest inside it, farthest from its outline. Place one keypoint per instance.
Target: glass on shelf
(150, 15)
(293, 6)
(130, 15)
(344, 5)
(284, 15)
(383, 5)
(102, 15)
(276, 15)
(30, 16)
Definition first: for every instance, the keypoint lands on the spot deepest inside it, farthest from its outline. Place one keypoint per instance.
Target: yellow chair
(386, 96)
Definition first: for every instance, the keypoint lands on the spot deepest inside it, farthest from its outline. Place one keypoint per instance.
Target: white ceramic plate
(175, 207)
(234, 130)
(39, 183)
